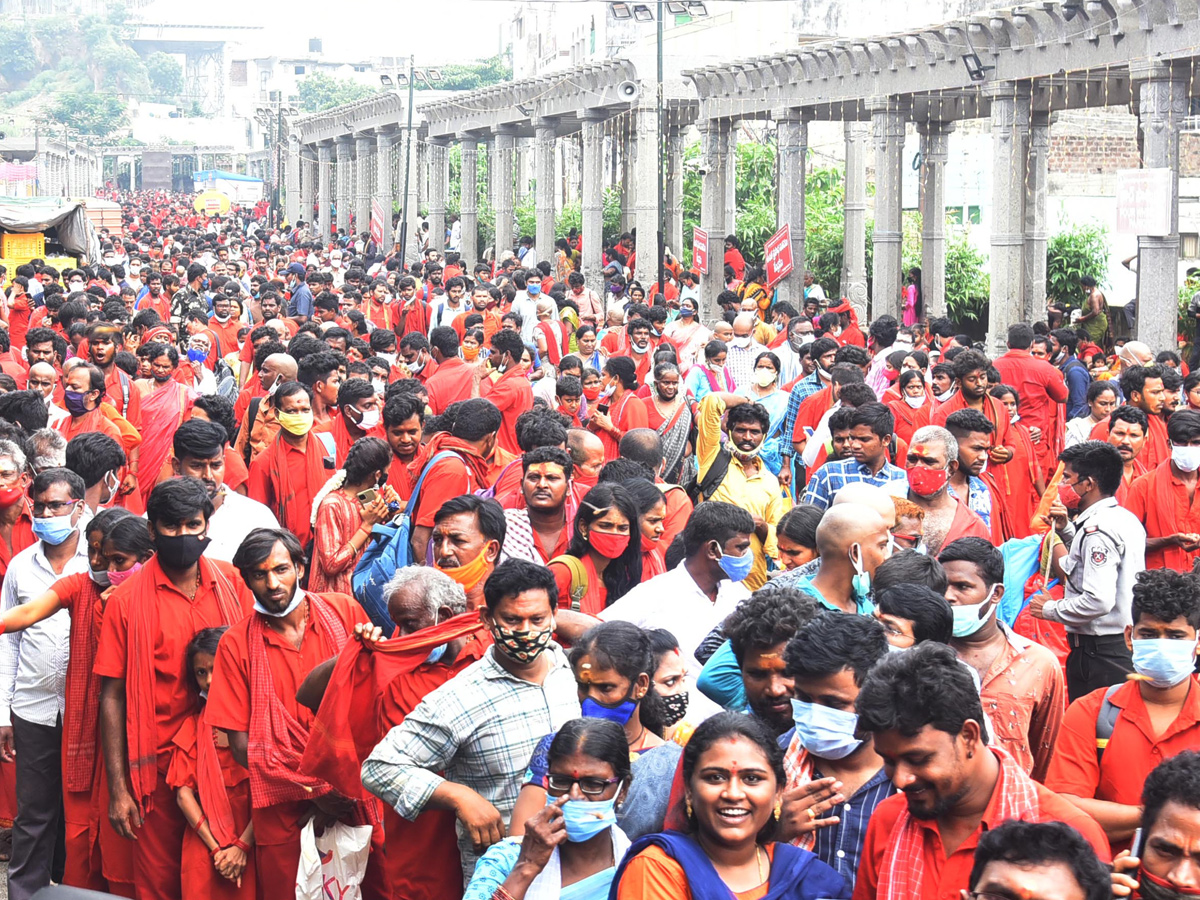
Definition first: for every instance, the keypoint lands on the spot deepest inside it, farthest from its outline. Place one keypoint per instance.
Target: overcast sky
(437, 31)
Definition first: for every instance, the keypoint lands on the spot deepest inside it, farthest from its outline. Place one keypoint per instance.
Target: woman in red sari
(342, 522)
(912, 408)
(1026, 483)
(166, 404)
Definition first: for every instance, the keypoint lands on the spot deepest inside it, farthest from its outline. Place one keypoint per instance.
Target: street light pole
(412, 74)
(662, 206)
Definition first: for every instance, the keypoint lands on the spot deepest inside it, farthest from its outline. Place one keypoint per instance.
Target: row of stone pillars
(311, 176)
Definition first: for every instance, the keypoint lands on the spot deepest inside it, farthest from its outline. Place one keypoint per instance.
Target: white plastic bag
(332, 866)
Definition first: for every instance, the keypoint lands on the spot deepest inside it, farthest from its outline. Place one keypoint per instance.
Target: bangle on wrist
(242, 845)
(203, 818)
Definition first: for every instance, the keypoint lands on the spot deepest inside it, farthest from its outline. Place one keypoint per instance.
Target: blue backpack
(389, 552)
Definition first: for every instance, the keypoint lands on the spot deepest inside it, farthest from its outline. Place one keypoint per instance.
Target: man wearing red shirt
(453, 379)
(1155, 718)
(145, 695)
(1142, 387)
(1164, 499)
(923, 711)
(104, 342)
(19, 309)
(416, 355)
(511, 392)
(260, 664)
(1041, 390)
(222, 324)
(403, 421)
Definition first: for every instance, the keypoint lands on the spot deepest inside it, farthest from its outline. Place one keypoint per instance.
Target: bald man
(259, 426)
(743, 351)
(852, 540)
(587, 453)
(869, 495)
(43, 379)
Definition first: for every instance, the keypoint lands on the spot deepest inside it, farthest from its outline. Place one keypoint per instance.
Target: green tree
(967, 284)
(90, 114)
(319, 91)
(469, 76)
(165, 74)
(1075, 251)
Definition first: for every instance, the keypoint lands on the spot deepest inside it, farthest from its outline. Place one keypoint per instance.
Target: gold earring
(688, 806)
(778, 809)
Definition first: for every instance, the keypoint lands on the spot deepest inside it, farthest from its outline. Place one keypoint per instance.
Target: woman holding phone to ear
(344, 512)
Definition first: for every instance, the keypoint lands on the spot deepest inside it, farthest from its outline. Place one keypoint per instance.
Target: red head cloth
(347, 726)
(843, 307)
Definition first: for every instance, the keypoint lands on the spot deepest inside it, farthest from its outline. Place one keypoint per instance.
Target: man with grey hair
(743, 351)
(16, 521)
(932, 460)
(47, 450)
(418, 598)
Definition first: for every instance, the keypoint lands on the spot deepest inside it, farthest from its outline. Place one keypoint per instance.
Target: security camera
(628, 90)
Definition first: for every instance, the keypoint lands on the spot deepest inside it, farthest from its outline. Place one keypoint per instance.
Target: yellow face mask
(471, 574)
(297, 423)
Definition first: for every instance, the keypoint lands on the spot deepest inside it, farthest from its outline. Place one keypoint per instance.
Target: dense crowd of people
(538, 591)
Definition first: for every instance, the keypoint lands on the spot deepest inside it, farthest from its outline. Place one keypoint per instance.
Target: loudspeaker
(628, 90)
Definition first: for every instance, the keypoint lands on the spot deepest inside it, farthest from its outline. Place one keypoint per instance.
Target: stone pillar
(439, 183)
(935, 144)
(854, 224)
(791, 129)
(1010, 136)
(324, 190)
(502, 160)
(544, 145)
(307, 186)
(469, 198)
(521, 170)
(1161, 108)
(887, 119)
(1036, 234)
(345, 195)
(592, 198)
(675, 192)
(362, 183)
(412, 146)
(646, 198)
(730, 163)
(292, 167)
(716, 144)
(382, 192)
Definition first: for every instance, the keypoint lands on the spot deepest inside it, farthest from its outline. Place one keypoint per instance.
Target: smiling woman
(733, 781)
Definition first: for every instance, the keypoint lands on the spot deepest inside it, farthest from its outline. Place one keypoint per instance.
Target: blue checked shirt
(479, 729)
(833, 476)
(801, 391)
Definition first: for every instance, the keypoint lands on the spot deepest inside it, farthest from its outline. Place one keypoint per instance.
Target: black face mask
(182, 551)
(676, 707)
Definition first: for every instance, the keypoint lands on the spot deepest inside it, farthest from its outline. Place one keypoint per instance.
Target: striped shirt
(479, 729)
(801, 391)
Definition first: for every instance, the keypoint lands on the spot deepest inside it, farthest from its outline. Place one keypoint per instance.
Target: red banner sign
(377, 223)
(778, 260)
(700, 250)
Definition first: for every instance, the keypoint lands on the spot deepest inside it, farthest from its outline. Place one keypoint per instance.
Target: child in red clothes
(213, 791)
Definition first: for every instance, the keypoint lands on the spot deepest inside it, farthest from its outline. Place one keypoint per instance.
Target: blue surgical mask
(737, 567)
(587, 818)
(53, 529)
(686, 313)
(861, 582)
(436, 654)
(969, 619)
(825, 732)
(1164, 662)
(620, 713)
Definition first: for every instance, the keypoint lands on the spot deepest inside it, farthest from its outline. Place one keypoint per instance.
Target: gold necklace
(758, 860)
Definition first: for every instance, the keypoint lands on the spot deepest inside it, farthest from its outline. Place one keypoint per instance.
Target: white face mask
(1186, 459)
(1014, 418)
(764, 377)
(742, 341)
(370, 418)
(379, 384)
(914, 402)
(946, 396)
